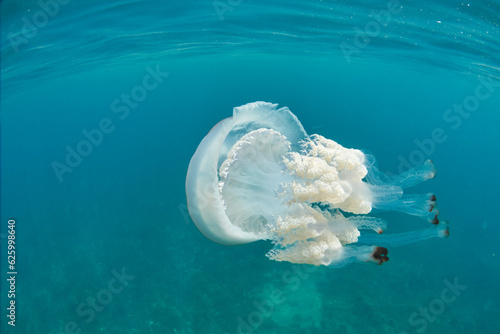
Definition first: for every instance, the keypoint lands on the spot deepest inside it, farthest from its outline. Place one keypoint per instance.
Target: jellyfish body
(259, 176)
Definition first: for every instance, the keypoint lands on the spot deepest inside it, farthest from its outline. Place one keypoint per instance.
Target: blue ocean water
(104, 242)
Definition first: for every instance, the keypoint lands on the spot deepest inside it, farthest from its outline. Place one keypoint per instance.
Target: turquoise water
(105, 245)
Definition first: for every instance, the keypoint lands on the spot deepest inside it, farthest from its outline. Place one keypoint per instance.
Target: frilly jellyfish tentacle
(419, 205)
(405, 180)
(388, 191)
(369, 223)
(259, 176)
(406, 238)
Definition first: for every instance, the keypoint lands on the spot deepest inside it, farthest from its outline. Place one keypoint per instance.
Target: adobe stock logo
(225, 6)
(40, 18)
(122, 107)
(428, 314)
(372, 28)
(453, 118)
(265, 308)
(97, 303)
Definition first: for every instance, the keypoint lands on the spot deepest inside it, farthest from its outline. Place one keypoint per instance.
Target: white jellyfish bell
(259, 176)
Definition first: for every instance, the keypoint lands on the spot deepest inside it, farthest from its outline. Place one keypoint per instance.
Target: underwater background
(105, 244)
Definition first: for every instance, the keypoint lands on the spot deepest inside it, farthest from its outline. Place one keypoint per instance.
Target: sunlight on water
(40, 42)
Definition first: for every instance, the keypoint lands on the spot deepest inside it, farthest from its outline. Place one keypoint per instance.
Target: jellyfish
(259, 176)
